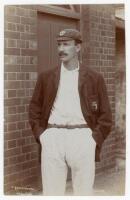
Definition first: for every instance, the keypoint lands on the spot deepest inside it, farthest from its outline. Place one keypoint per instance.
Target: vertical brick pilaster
(20, 75)
(98, 30)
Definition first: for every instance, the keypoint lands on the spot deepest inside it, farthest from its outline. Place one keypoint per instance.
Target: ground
(107, 184)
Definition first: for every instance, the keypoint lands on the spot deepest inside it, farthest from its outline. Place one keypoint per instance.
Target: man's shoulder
(48, 72)
(93, 73)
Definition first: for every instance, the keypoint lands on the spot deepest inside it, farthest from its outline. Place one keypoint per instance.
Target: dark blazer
(93, 98)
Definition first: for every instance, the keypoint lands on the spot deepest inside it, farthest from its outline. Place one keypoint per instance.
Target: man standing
(70, 116)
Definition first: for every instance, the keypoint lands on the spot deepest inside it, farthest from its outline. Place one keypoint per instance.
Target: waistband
(67, 126)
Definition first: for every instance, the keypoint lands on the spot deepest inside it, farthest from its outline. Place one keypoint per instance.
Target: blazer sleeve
(104, 121)
(35, 108)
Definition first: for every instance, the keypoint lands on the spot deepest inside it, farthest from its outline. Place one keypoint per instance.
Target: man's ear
(78, 47)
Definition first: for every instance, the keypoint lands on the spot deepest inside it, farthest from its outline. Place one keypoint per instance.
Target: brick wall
(99, 53)
(21, 151)
(21, 157)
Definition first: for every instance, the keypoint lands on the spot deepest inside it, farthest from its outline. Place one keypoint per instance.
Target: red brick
(12, 76)
(21, 158)
(25, 101)
(27, 28)
(12, 68)
(32, 44)
(21, 60)
(12, 178)
(11, 43)
(29, 68)
(10, 10)
(33, 13)
(28, 140)
(12, 135)
(34, 155)
(13, 19)
(12, 51)
(21, 125)
(28, 36)
(21, 44)
(31, 92)
(13, 160)
(111, 81)
(33, 141)
(33, 29)
(27, 125)
(12, 118)
(28, 52)
(12, 35)
(26, 84)
(12, 85)
(11, 144)
(20, 109)
(10, 26)
(21, 93)
(21, 11)
(12, 102)
(10, 59)
(20, 27)
(12, 127)
(33, 170)
(12, 110)
(29, 164)
(28, 76)
(33, 60)
(27, 44)
(20, 142)
(12, 169)
(11, 152)
(24, 116)
(30, 179)
(28, 156)
(26, 133)
(27, 92)
(27, 20)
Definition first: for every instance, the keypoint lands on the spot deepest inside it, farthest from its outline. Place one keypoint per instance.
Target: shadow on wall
(120, 117)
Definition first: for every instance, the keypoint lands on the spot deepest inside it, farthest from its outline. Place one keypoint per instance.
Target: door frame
(59, 11)
(55, 10)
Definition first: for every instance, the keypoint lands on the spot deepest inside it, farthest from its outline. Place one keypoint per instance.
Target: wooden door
(48, 27)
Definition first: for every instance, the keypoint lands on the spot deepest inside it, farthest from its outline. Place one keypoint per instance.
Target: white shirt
(66, 109)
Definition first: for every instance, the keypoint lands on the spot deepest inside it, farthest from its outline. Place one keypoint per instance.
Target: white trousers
(72, 147)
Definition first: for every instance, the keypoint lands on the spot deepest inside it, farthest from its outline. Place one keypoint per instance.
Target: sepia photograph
(64, 100)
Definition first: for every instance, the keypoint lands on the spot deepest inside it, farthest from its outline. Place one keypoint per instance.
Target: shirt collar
(69, 71)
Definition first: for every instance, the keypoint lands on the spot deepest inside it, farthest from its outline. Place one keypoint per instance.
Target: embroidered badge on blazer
(94, 106)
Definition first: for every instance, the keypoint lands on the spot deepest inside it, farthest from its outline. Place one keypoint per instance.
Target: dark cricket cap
(69, 34)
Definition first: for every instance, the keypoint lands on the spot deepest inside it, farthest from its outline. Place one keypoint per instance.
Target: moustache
(62, 54)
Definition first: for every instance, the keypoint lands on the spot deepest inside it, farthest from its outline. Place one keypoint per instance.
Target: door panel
(48, 27)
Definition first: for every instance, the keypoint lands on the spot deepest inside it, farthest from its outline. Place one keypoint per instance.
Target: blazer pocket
(93, 103)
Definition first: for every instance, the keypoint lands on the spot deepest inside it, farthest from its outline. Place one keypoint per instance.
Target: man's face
(68, 50)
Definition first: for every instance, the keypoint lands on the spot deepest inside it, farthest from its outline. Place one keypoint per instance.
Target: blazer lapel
(56, 77)
(83, 76)
(84, 79)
